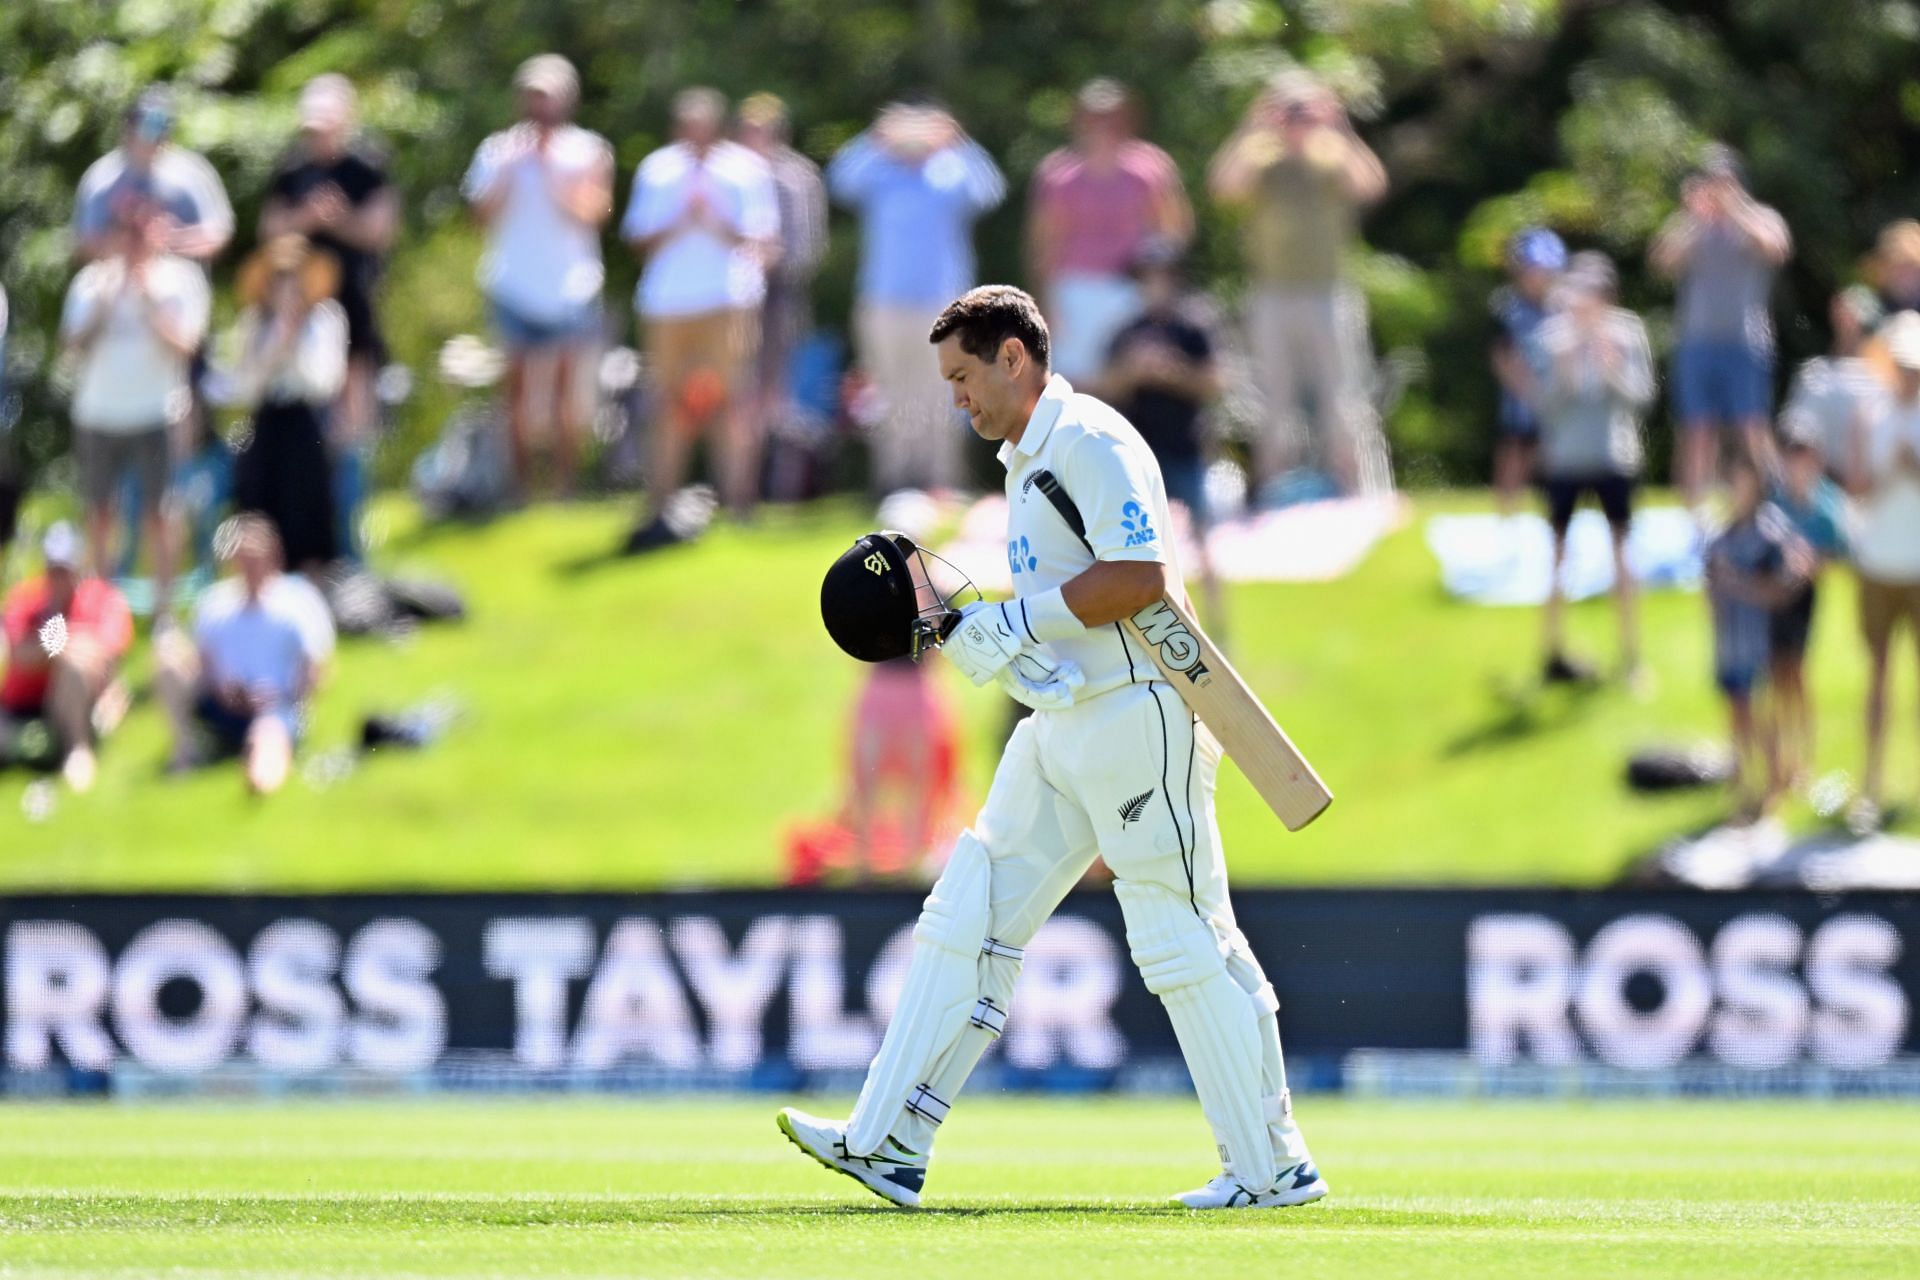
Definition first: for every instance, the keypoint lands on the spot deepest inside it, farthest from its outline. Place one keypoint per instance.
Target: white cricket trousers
(1129, 776)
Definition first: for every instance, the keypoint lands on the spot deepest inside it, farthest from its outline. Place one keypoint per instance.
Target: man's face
(699, 127)
(326, 138)
(255, 565)
(756, 136)
(541, 107)
(61, 581)
(1535, 282)
(986, 390)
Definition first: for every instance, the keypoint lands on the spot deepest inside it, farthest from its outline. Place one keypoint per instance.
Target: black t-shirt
(361, 174)
(1169, 423)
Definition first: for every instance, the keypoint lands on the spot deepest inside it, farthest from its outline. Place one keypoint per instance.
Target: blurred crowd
(1832, 477)
(729, 224)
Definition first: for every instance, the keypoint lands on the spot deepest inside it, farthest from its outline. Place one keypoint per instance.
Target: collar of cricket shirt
(1053, 401)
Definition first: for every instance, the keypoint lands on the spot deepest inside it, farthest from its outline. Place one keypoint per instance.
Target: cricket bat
(1210, 686)
(1215, 692)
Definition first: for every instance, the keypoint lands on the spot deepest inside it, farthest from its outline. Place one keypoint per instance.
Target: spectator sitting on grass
(261, 640)
(1816, 508)
(65, 637)
(1756, 566)
(1594, 376)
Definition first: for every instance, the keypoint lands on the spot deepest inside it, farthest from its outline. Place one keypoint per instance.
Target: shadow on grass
(88, 1212)
(1523, 711)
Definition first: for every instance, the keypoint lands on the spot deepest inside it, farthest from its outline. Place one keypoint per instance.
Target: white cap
(327, 102)
(1902, 336)
(61, 546)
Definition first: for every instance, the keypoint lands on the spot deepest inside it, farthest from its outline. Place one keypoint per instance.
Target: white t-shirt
(1886, 541)
(128, 380)
(1107, 469)
(697, 271)
(540, 261)
(313, 373)
(268, 644)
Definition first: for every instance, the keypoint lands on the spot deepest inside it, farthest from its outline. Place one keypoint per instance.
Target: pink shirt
(1103, 217)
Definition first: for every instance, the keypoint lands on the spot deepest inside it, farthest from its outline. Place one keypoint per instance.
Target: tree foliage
(1490, 114)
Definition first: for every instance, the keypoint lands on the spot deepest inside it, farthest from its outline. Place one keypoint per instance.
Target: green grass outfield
(660, 722)
(1028, 1188)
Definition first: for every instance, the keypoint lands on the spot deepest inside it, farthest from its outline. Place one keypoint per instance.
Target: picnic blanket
(1508, 560)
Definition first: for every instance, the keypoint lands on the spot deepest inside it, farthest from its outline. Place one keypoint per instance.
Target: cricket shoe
(1301, 1184)
(892, 1173)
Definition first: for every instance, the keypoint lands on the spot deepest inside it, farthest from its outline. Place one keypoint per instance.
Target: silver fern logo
(1130, 811)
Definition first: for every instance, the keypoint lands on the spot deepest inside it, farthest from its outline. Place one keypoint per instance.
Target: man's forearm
(1109, 590)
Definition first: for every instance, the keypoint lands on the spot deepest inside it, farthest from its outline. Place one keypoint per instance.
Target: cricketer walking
(1111, 763)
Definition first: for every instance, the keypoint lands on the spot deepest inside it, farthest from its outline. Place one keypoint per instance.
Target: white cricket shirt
(1111, 475)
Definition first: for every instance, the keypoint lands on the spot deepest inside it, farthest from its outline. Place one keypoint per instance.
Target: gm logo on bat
(1164, 631)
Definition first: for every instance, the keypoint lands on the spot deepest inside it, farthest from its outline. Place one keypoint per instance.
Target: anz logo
(1020, 557)
(1138, 524)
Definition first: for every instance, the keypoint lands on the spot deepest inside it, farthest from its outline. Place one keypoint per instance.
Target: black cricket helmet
(878, 601)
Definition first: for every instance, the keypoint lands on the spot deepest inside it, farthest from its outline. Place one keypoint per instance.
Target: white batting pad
(1183, 960)
(940, 996)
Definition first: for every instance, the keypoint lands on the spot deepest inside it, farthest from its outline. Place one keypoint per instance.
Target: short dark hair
(984, 318)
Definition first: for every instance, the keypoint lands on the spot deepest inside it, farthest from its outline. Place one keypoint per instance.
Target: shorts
(518, 331)
(1737, 682)
(1517, 421)
(722, 342)
(1791, 625)
(1883, 605)
(1728, 382)
(227, 729)
(106, 458)
(1186, 483)
(1612, 491)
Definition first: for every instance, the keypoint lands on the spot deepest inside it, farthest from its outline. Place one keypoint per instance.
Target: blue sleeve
(855, 170)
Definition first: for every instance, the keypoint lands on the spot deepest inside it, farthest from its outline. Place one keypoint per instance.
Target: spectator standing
(1594, 377)
(1722, 247)
(786, 316)
(1885, 480)
(705, 217)
(1838, 394)
(148, 167)
(1535, 259)
(332, 187)
(1755, 567)
(293, 346)
(9, 480)
(1095, 204)
(918, 183)
(1894, 267)
(133, 321)
(1303, 175)
(542, 189)
(1816, 509)
(1161, 374)
(66, 634)
(261, 641)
